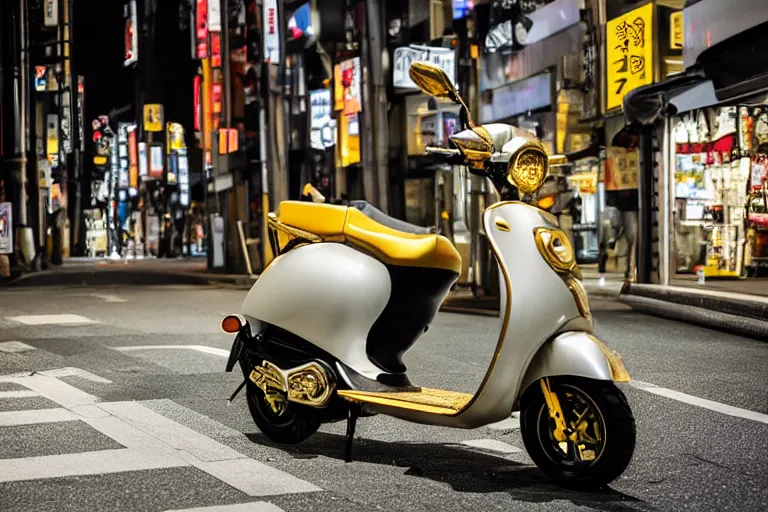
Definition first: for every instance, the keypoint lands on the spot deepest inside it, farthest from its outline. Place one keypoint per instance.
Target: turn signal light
(546, 202)
(232, 324)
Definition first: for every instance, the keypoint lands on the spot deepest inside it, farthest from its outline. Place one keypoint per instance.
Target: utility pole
(377, 108)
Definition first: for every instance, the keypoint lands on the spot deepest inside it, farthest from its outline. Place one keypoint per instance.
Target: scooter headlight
(528, 168)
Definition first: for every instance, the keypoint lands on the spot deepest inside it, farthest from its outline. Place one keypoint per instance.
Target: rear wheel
(293, 425)
(604, 432)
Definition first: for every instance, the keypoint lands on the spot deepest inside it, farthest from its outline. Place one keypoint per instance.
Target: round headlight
(527, 170)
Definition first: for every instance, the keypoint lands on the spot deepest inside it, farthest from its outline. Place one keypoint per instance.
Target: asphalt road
(124, 408)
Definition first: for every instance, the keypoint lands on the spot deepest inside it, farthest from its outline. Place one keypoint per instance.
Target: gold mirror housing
(432, 80)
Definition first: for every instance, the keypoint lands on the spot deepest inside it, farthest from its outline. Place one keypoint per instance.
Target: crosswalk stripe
(87, 463)
(492, 445)
(22, 393)
(14, 347)
(31, 417)
(197, 348)
(65, 319)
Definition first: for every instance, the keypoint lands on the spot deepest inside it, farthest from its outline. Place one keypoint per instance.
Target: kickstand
(352, 413)
(239, 388)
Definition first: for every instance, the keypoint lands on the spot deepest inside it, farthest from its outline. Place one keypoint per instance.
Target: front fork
(562, 431)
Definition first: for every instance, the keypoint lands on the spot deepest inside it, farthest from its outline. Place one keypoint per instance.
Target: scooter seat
(351, 225)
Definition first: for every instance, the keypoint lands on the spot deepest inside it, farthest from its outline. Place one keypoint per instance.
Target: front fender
(576, 353)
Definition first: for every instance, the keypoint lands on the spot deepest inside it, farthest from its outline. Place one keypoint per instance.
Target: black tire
(617, 440)
(293, 426)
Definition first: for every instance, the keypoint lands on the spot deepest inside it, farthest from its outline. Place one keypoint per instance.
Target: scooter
(321, 335)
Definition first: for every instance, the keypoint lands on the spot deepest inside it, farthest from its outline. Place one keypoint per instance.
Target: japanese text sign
(629, 44)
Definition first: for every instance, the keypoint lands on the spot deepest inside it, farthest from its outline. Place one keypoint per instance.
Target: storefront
(711, 123)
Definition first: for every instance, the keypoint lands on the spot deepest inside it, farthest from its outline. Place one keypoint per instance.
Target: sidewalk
(146, 272)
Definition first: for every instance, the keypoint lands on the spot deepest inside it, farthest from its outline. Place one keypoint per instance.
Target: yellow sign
(629, 43)
(153, 118)
(175, 137)
(99, 160)
(676, 30)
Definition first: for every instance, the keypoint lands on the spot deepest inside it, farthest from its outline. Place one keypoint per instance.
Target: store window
(720, 227)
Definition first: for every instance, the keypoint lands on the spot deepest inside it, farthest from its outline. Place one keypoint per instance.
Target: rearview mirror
(432, 80)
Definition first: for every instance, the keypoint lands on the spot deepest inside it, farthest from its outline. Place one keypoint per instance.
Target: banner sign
(201, 28)
(133, 161)
(6, 229)
(629, 47)
(175, 137)
(123, 179)
(131, 34)
(156, 158)
(143, 167)
(271, 32)
(407, 55)
(81, 111)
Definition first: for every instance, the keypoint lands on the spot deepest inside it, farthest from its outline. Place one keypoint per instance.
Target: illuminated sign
(407, 55)
(131, 34)
(153, 118)
(676, 30)
(629, 46)
(271, 32)
(201, 28)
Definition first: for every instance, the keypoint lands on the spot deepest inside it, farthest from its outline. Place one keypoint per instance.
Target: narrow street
(115, 399)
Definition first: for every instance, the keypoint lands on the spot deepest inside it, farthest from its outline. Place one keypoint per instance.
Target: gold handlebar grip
(557, 160)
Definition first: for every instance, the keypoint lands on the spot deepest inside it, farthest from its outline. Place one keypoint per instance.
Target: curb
(713, 319)
(125, 277)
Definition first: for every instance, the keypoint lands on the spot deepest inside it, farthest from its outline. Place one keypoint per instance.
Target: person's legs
(629, 220)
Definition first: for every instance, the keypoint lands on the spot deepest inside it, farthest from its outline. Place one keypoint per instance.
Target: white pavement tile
(65, 319)
(256, 479)
(31, 417)
(55, 390)
(256, 506)
(87, 463)
(15, 346)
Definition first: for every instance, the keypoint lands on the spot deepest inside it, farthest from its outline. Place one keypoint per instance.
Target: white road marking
(256, 506)
(74, 372)
(198, 348)
(492, 445)
(66, 319)
(22, 393)
(108, 298)
(507, 424)
(87, 463)
(701, 402)
(15, 346)
(31, 417)
(151, 441)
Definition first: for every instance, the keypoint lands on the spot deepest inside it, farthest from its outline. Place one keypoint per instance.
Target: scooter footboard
(579, 354)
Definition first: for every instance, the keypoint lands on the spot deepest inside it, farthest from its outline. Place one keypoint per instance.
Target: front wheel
(603, 432)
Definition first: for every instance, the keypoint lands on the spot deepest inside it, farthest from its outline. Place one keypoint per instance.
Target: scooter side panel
(327, 293)
(535, 304)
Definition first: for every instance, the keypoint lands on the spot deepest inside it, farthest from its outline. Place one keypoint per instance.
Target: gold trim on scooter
(308, 384)
(433, 401)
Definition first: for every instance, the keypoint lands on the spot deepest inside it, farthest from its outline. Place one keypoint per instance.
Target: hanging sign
(214, 15)
(407, 55)
(81, 111)
(41, 78)
(153, 118)
(123, 178)
(676, 30)
(131, 34)
(51, 14)
(52, 139)
(271, 32)
(198, 104)
(629, 44)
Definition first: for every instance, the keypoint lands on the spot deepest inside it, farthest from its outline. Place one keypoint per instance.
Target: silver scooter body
(330, 295)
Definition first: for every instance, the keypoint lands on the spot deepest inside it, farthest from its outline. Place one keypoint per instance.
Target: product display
(721, 219)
